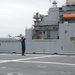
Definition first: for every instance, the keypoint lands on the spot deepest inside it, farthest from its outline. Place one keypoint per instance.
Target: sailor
(23, 45)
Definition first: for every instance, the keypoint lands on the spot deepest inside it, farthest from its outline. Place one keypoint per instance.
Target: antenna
(54, 3)
(50, 3)
(50, 0)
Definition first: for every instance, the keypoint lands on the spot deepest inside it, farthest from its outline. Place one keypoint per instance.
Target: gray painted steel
(10, 45)
(52, 33)
(15, 64)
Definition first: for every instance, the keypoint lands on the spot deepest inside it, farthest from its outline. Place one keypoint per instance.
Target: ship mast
(54, 3)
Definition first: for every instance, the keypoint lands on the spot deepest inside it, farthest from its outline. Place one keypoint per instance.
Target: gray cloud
(15, 15)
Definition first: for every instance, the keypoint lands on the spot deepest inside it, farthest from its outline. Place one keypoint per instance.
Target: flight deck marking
(4, 61)
(25, 60)
(53, 63)
(36, 57)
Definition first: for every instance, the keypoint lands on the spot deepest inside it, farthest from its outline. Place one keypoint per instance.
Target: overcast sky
(16, 15)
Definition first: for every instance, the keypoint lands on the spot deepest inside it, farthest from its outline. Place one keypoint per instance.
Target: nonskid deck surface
(37, 64)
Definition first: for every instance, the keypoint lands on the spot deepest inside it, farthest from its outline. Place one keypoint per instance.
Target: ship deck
(37, 64)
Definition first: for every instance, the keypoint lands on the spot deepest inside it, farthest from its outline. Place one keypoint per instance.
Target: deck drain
(14, 73)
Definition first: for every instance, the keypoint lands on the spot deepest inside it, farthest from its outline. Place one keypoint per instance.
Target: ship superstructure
(55, 32)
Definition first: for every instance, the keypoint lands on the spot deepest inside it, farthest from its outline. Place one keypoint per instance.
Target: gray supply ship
(10, 45)
(53, 33)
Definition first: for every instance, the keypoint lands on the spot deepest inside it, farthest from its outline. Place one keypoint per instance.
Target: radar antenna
(54, 3)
